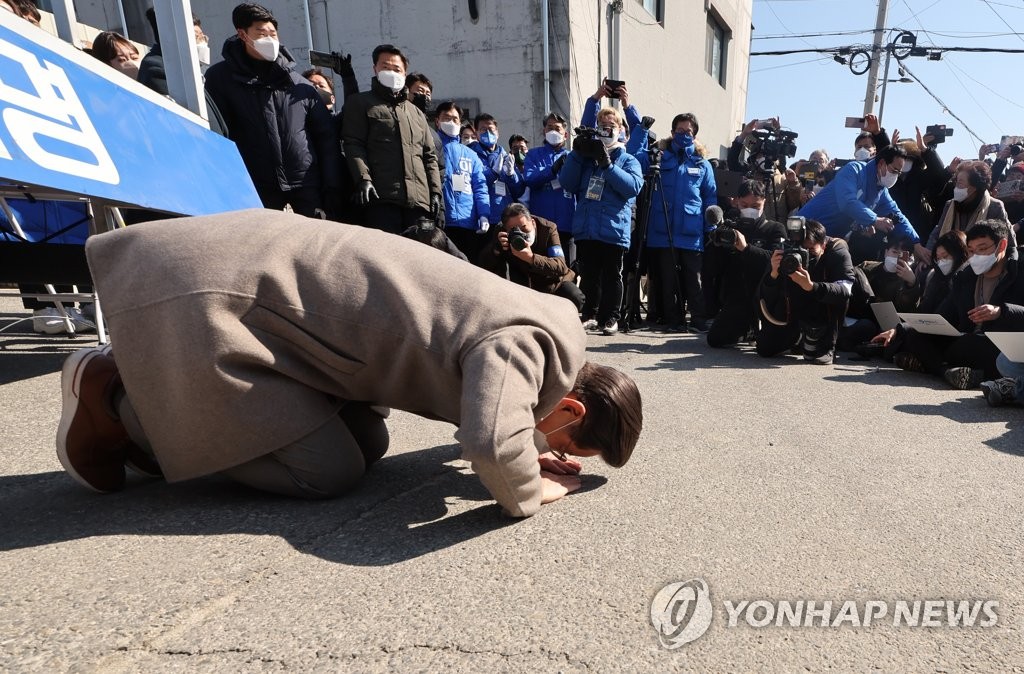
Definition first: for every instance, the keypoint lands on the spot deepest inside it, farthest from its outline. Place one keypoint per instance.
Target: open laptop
(1010, 343)
(930, 324)
(885, 314)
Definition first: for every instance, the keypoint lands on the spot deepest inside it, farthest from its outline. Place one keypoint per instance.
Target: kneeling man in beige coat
(266, 346)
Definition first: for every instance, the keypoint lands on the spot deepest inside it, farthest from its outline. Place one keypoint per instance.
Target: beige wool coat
(237, 334)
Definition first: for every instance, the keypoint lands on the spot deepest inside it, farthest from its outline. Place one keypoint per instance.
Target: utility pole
(876, 57)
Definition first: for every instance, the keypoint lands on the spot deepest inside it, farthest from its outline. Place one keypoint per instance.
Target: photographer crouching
(745, 236)
(803, 298)
(528, 250)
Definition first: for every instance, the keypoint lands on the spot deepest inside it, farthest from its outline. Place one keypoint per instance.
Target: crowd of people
(794, 257)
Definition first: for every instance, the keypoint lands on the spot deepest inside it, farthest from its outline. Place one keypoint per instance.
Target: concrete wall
(497, 59)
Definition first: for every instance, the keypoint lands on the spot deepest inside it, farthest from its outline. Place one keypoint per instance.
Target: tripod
(653, 185)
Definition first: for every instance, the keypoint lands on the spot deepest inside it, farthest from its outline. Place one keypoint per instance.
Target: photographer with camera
(858, 201)
(803, 297)
(526, 250)
(605, 180)
(745, 236)
(750, 154)
(1010, 190)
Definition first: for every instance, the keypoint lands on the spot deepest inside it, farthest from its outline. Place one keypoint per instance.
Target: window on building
(717, 42)
(654, 8)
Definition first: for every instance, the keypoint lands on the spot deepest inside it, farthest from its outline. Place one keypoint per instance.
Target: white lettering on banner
(53, 111)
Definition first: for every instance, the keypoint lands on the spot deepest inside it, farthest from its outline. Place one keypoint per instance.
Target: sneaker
(611, 327)
(1001, 391)
(590, 324)
(91, 443)
(50, 321)
(963, 378)
(698, 326)
(824, 359)
(908, 361)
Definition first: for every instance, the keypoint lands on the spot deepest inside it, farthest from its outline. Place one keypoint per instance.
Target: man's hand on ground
(554, 487)
(552, 464)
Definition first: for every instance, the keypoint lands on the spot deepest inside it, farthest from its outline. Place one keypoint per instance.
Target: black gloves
(593, 149)
(366, 192)
(603, 159)
(556, 168)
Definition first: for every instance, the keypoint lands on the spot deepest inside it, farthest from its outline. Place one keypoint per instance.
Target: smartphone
(854, 122)
(764, 124)
(612, 86)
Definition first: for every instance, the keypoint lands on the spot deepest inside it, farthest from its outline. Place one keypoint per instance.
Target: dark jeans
(670, 303)
(571, 292)
(468, 241)
(732, 324)
(937, 352)
(393, 218)
(601, 271)
(304, 200)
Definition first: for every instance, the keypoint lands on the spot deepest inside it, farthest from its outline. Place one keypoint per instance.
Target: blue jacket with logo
(606, 216)
(547, 198)
(854, 197)
(503, 189)
(463, 208)
(689, 183)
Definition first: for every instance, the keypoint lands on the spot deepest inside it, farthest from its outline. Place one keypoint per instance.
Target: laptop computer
(930, 324)
(885, 314)
(1010, 343)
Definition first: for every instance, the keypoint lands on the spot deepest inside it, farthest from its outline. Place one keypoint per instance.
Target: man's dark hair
(979, 175)
(901, 242)
(556, 117)
(993, 229)
(614, 414)
(861, 136)
(248, 13)
(413, 78)
(390, 49)
(748, 187)
(686, 117)
(953, 242)
(483, 117)
(446, 106)
(815, 231)
(515, 138)
(889, 153)
(514, 211)
(317, 71)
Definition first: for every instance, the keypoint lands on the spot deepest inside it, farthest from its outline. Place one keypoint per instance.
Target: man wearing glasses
(273, 342)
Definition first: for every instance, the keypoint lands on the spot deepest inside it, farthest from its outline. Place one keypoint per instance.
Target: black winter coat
(1008, 296)
(282, 128)
(832, 277)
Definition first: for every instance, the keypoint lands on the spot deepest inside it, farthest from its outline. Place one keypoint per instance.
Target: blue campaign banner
(71, 123)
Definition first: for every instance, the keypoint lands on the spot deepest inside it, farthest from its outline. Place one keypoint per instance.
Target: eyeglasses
(561, 456)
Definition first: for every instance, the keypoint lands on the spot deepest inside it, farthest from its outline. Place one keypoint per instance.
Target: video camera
(794, 255)
(587, 132)
(939, 134)
(771, 147)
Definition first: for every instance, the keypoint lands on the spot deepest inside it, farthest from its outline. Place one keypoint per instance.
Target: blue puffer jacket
(503, 189)
(608, 218)
(463, 208)
(854, 197)
(547, 198)
(689, 183)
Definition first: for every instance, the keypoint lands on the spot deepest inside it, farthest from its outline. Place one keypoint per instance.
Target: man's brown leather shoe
(91, 444)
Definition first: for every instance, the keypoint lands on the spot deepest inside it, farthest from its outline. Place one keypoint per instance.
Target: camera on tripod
(771, 147)
(794, 255)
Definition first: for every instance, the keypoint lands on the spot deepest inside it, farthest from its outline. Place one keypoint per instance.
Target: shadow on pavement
(399, 511)
(974, 409)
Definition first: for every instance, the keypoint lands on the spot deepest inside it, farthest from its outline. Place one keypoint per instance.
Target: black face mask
(421, 101)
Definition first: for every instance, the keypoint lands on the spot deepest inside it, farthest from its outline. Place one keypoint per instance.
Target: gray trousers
(327, 462)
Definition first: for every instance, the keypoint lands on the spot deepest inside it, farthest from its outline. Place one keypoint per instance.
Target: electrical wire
(820, 59)
(985, 86)
(1001, 18)
(940, 102)
(839, 32)
(784, 26)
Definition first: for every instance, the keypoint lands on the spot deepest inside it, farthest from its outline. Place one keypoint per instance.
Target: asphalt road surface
(771, 482)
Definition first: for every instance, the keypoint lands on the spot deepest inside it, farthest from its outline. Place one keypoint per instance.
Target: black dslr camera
(794, 255)
(586, 132)
(517, 239)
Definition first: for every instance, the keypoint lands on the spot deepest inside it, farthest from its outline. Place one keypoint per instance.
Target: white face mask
(862, 154)
(608, 142)
(392, 80)
(129, 68)
(889, 179)
(554, 138)
(450, 128)
(203, 53)
(945, 266)
(531, 236)
(541, 439)
(959, 193)
(890, 263)
(267, 47)
(750, 213)
(982, 263)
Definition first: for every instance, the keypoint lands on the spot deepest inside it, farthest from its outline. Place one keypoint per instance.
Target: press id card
(460, 183)
(595, 188)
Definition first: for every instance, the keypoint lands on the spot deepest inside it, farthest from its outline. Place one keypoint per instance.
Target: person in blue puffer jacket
(540, 171)
(605, 180)
(504, 183)
(467, 206)
(676, 257)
